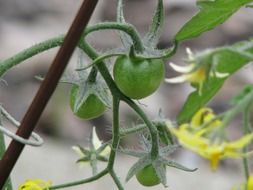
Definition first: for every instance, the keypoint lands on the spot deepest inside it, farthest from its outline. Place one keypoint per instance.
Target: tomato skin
(91, 108)
(148, 177)
(138, 78)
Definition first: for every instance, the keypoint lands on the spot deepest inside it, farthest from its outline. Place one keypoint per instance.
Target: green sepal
(88, 88)
(140, 164)
(83, 159)
(164, 151)
(126, 40)
(67, 78)
(174, 164)
(164, 133)
(160, 170)
(83, 150)
(152, 37)
(102, 158)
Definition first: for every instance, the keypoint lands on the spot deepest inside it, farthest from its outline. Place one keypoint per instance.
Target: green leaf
(227, 60)
(210, 15)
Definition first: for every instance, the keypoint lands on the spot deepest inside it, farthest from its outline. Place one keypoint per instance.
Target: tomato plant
(137, 75)
(138, 78)
(91, 108)
(147, 176)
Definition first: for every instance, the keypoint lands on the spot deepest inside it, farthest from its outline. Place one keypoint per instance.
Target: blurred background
(26, 22)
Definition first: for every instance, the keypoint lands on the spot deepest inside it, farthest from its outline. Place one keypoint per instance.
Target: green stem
(91, 52)
(246, 130)
(29, 52)
(8, 185)
(92, 75)
(127, 131)
(125, 27)
(57, 41)
(238, 108)
(116, 180)
(93, 163)
(115, 132)
(93, 178)
(115, 142)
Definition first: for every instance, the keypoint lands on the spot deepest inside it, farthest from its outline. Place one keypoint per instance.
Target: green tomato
(147, 176)
(91, 108)
(138, 78)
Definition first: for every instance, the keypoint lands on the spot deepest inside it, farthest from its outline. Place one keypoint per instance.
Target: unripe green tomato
(138, 78)
(91, 108)
(147, 176)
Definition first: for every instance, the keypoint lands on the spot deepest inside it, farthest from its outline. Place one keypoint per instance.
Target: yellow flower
(204, 116)
(194, 73)
(212, 151)
(35, 184)
(250, 183)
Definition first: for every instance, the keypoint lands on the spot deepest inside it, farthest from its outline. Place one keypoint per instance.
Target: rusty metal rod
(47, 88)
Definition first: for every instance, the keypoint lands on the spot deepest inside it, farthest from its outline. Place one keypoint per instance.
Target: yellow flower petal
(78, 151)
(199, 118)
(203, 116)
(189, 140)
(179, 79)
(182, 69)
(97, 143)
(198, 76)
(250, 183)
(221, 75)
(239, 144)
(36, 184)
(190, 54)
(95, 140)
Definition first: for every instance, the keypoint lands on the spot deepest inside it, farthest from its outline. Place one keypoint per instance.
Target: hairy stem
(246, 130)
(151, 127)
(116, 180)
(7, 64)
(30, 52)
(92, 75)
(93, 178)
(8, 185)
(115, 142)
(115, 132)
(125, 27)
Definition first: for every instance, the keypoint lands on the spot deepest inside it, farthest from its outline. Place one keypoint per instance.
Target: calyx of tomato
(89, 100)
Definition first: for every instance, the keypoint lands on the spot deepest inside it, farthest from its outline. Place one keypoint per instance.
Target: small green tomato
(138, 78)
(147, 176)
(91, 108)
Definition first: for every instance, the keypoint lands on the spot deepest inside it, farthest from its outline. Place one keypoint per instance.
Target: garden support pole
(47, 88)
